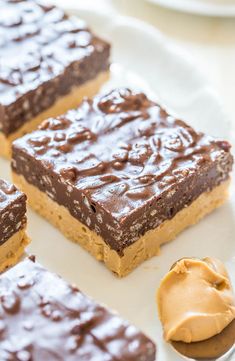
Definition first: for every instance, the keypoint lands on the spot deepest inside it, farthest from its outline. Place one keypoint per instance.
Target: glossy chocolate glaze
(43, 54)
(43, 318)
(121, 164)
(12, 210)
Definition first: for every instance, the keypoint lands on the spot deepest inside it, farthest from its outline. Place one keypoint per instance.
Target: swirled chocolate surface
(12, 210)
(121, 164)
(61, 323)
(43, 54)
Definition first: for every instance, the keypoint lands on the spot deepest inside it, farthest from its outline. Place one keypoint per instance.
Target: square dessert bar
(120, 176)
(48, 62)
(43, 318)
(13, 238)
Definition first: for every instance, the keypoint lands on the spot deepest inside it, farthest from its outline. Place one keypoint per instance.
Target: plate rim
(197, 9)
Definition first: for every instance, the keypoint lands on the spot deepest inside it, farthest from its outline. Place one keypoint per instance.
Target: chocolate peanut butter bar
(120, 176)
(48, 62)
(43, 318)
(13, 238)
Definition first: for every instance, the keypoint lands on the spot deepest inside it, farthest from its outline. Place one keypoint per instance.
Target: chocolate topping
(121, 164)
(44, 53)
(53, 321)
(12, 210)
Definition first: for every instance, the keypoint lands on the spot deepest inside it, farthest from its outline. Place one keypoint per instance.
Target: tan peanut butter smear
(195, 300)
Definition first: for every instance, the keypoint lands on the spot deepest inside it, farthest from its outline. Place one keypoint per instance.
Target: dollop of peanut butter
(195, 300)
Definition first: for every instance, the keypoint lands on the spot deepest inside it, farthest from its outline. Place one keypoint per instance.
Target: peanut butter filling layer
(144, 248)
(195, 300)
(69, 101)
(12, 249)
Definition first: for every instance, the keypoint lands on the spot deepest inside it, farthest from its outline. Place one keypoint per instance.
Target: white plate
(144, 60)
(222, 8)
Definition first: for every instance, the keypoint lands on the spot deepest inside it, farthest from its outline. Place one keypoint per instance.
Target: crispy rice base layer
(145, 247)
(63, 104)
(12, 249)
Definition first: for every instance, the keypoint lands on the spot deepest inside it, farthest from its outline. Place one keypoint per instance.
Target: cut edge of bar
(63, 104)
(13, 249)
(144, 248)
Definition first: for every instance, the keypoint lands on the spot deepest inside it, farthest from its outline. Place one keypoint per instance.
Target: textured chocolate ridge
(12, 210)
(53, 321)
(44, 53)
(121, 164)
